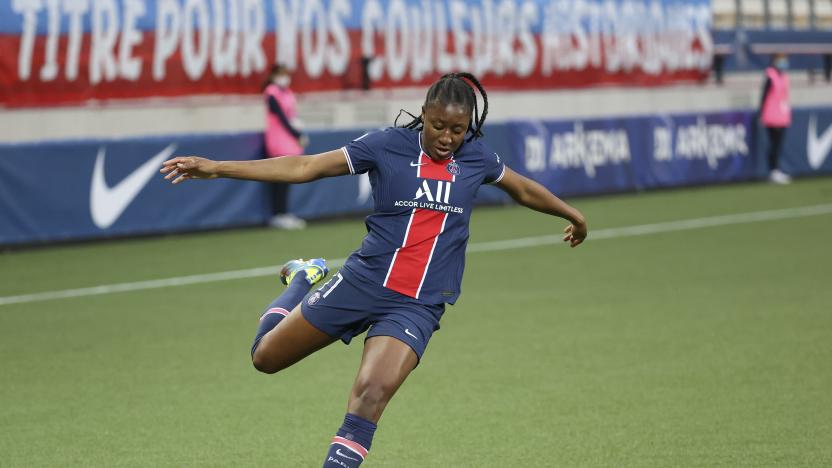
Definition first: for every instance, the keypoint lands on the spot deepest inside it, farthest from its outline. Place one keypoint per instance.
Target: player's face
(444, 130)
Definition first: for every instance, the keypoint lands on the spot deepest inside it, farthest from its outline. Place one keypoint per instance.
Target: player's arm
(291, 169)
(535, 196)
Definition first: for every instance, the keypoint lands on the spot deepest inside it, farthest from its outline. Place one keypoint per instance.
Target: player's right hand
(182, 168)
(575, 234)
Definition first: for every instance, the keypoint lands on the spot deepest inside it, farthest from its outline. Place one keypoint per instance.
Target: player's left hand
(575, 234)
(182, 168)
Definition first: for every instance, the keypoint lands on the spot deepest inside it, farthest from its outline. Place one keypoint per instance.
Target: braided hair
(456, 88)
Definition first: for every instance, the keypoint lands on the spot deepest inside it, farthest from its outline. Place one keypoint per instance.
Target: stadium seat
(778, 12)
(801, 14)
(724, 14)
(753, 12)
(823, 14)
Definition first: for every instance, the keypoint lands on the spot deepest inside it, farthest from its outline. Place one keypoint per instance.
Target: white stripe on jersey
(404, 241)
(349, 161)
(502, 174)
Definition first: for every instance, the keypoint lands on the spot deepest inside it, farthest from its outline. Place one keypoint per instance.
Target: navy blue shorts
(346, 307)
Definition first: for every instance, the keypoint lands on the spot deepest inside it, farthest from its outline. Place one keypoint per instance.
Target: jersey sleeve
(495, 168)
(362, 152)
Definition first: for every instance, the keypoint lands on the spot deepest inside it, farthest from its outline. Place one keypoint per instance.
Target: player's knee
(372, 394)
(265, 364)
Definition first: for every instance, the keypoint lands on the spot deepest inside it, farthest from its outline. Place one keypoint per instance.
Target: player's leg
(287, 343)
(298, 276)
(385, 364)
(394, 346)
(274, 350)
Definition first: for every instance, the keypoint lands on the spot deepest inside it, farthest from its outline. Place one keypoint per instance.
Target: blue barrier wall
(807, 145)
(636, 153)
(92, 189)
(89, 189)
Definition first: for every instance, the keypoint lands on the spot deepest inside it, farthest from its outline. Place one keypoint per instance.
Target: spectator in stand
(776, 114)
(283, 138)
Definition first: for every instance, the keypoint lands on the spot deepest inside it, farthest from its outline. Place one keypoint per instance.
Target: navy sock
(280, 307)
(351, 444)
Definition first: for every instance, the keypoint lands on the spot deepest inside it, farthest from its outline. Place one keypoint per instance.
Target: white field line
(600, 234)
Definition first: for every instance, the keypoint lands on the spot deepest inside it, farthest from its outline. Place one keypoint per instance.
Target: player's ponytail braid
(454, 88)
(478, 119)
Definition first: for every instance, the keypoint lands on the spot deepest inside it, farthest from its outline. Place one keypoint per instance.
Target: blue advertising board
(576, 157)
(92, 189)
(80, 190)
(807, 144)
(695, 149)
(636, 153)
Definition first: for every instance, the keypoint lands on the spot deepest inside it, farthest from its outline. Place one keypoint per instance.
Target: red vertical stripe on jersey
(410, 262)
(430, 169)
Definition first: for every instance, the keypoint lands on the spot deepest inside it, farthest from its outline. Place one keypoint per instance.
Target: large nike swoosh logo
(108, 203)
(818, 148)
(415, 164)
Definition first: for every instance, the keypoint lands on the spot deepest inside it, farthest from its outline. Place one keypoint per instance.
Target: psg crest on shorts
(453, 168)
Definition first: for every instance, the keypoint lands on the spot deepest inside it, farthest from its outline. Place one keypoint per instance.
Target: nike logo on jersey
(818, 147)
(342, 454)
(108, 203)
(407, 332)
(415, 164)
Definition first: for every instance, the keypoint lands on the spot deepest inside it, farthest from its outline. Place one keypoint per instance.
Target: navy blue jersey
(416, 237)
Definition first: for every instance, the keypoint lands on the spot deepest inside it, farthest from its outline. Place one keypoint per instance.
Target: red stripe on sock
(275, 310)
(354, 446)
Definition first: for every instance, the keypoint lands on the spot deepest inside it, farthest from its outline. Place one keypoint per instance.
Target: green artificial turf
(696, 347)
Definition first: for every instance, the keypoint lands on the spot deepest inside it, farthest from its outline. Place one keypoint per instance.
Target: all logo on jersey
(435, 179)
(441, 193)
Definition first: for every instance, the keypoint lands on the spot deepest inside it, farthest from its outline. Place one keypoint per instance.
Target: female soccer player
(395, 286)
